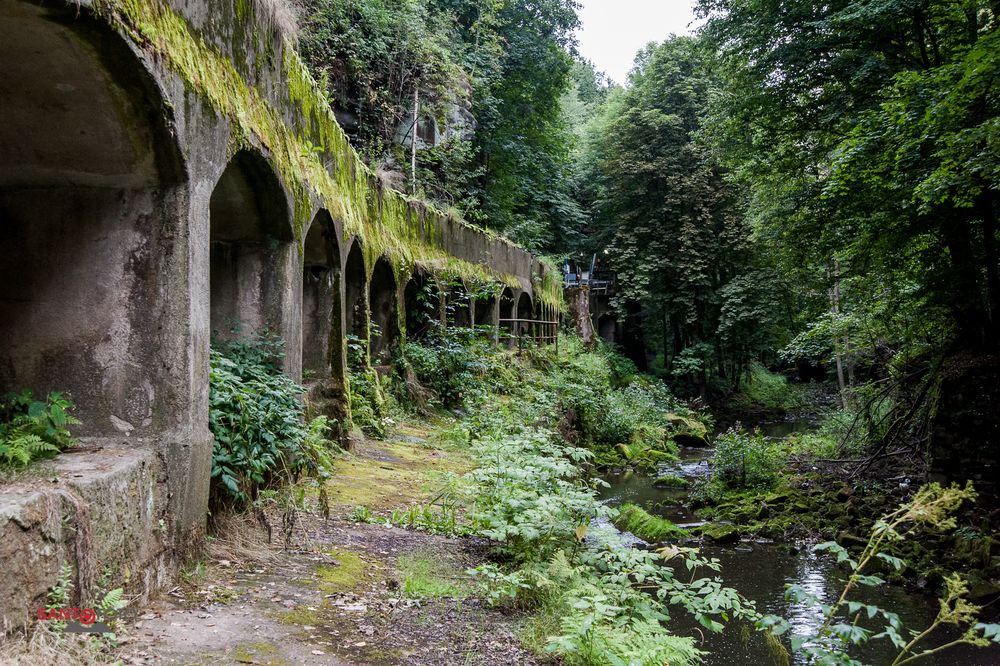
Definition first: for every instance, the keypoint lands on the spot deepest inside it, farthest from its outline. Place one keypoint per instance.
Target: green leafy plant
(257, 420)
(746, 459)
(931, 509)
(33, 429)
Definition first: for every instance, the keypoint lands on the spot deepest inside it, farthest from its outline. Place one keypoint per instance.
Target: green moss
(346, 575)
(315, 161)
(670, 481)
(258, 653)
(633, 518)
(427, 575)
(720, 533)
(302, 617)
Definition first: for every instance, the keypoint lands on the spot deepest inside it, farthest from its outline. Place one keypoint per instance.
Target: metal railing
(541, 330)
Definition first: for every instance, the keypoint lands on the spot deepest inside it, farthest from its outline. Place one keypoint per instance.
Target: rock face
(95, 511)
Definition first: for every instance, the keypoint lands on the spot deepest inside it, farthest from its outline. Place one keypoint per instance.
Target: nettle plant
(848, 623)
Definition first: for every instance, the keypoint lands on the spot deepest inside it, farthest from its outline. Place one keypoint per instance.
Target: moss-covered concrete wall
(119, 120)
(235, 60)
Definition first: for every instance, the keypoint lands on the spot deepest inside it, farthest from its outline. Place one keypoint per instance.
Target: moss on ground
(347, 574)
(259, 653)
(388, 475)
(425, 574)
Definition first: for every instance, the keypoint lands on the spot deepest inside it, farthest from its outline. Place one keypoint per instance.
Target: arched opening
(250, 242)
(355, 310)
(525, 308)
(320, 287)
(459, 310)
(385, 317)
(486, 310)
(90, 209)
(421, 306)
(507, 313)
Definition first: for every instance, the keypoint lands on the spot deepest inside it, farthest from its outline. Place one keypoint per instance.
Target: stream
(761, 569)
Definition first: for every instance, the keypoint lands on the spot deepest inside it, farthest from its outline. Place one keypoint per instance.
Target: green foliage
(369, 403)
(32, 429)
(652, 529)
(848, 623)
(446, 366)
(257, 420)
(491, 77)
(594, 600)
(672, 226)
(746, 459)
(767, 390)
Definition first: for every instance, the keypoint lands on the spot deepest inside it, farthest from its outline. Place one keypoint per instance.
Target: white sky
(614, 30)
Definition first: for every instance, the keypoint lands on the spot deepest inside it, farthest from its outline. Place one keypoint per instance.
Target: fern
(31, 429)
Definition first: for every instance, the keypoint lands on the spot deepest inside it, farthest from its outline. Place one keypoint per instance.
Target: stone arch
(525, 311)
(251, 243)
(92, 225)
(383, 298)
(355, 303)
(485, 309)
(320, 297)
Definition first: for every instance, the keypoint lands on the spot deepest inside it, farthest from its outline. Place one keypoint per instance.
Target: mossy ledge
(315, 162)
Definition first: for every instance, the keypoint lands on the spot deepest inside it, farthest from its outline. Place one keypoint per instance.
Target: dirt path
(348, 593)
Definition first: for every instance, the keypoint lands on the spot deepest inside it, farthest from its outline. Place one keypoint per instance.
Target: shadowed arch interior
(90, 205)
(383, 299)
(607, 326)
(459, 311)
(525, 311)
(356, 315)
(250, 241)
(420, 305)
(320, 289)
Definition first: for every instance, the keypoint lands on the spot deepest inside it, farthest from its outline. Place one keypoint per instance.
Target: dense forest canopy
(797, 183)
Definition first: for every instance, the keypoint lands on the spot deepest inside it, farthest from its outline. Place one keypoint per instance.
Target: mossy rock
(633, 518)
(720, 533)
(670, 481)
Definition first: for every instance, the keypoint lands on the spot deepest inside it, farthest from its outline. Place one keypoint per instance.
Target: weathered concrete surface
(97, 511)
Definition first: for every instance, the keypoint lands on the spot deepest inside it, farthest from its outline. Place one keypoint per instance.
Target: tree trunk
(413, 140)
(835, 310)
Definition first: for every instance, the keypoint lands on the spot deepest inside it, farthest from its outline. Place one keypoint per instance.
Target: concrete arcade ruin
(169, 175)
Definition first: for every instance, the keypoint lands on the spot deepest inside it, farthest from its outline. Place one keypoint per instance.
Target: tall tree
(672, 224)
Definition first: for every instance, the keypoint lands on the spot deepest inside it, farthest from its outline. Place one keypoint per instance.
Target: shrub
(746, 459)
(765, 389)
(369, 403)
(447, 367)
(32, 429)
(257, 420)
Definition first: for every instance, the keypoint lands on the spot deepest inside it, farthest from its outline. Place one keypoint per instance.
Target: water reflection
(761, 572)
